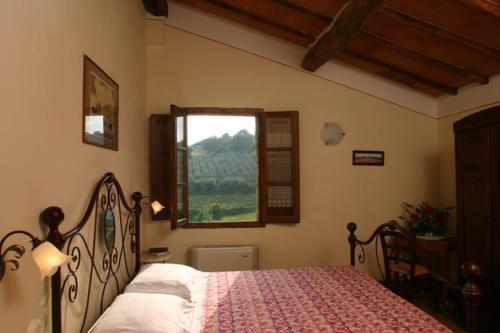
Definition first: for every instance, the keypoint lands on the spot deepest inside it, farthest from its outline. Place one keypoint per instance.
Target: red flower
(428, 210)
(414, 216)
(439, 218)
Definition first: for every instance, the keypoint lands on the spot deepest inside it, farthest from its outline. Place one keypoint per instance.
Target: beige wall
(44, 161)
(192, 71)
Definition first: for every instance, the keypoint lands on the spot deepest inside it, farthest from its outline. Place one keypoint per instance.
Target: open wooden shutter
(279, 179)
(178, 167)
(159, 163)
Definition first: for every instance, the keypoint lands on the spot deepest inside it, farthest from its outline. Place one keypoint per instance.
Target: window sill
(213, 225)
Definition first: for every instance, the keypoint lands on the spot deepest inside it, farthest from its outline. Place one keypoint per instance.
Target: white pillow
(170, 279)
(145, 313)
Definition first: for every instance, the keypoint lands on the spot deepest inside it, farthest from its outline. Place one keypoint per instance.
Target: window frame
(216, 111)
(163, 174)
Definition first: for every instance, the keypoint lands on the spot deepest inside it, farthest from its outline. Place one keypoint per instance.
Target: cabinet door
(279, 171)
(495, 149)
(474, 197)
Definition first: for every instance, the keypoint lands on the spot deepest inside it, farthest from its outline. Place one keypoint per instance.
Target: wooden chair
(402, 267)
(400, 252)
(401, 264)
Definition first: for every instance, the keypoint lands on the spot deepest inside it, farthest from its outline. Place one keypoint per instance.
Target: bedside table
(149, 258)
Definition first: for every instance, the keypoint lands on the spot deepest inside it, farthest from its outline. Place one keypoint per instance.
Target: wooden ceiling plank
(402, 73)
(334, 39)
(156, 7)
(425, 58)
(441, 32)
(303, 10)
(258, 18)
(484, 6)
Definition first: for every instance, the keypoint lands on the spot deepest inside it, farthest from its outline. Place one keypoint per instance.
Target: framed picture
(368, 157)
(100, 107)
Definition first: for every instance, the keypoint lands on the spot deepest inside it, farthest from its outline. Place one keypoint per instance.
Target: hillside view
(222, 178)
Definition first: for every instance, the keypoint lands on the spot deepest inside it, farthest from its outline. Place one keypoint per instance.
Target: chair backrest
(398, 246)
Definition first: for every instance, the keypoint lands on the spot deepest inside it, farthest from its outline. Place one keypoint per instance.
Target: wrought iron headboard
(107, 267)
(391, 228)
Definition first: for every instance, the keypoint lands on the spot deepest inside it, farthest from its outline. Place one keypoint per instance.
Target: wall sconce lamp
(46, 256)
(156, 206)
(331, 134)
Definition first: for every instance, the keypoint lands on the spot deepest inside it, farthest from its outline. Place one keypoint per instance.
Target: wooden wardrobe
(477, 147)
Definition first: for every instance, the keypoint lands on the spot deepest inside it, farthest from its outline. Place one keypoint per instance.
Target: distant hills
(223, 165)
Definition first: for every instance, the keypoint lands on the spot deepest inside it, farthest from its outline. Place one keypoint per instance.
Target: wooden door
(474, 195)
(495, 154)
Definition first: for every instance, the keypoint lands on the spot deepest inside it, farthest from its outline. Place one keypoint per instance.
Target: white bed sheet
(192, 320)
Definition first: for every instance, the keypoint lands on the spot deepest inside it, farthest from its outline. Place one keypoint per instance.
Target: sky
(202, 127)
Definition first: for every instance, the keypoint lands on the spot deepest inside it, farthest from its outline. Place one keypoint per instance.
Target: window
(220, 167)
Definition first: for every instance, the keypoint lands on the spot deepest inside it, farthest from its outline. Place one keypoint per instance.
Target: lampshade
(157, 207)
(48, 258)
(331, 134)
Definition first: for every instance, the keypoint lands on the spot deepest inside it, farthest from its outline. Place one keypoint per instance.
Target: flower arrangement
(423, 219)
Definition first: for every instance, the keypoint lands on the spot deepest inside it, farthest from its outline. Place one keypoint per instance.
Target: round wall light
(331, 134)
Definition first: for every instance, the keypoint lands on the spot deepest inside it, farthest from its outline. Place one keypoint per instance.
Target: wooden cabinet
(477, 143)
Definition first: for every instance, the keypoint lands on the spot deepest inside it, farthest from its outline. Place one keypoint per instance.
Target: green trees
(225, 165)
(222, 169)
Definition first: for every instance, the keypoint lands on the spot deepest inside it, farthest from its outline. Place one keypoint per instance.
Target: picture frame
(368, 157)
(100, 107)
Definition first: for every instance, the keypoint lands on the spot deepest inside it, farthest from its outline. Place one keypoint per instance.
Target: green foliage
(236, 207)
(228, 185)
(240, 142)
(423, 219)
(224, 165)
(216, 212)
(222, 178)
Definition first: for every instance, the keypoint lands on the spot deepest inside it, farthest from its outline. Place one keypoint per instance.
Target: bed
(177, 298)
(311, 299)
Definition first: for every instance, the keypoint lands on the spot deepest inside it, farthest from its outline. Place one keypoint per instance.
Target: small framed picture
(100, 107)
(368, 157)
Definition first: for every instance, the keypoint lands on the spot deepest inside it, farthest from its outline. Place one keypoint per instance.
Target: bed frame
(110, 269)
(470, 293)
(106, 269)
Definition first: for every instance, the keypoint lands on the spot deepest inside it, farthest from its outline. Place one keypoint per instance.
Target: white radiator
(224, 258)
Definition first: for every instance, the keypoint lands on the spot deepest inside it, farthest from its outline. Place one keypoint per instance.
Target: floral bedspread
(314, 299)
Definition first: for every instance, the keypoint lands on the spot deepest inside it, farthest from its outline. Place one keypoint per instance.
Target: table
(441, 245)
(151, 258)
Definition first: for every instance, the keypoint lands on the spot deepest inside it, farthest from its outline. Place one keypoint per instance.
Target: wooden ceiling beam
(484, 6)
(405, 75)
(349, 21)
(156, 7)
(239, 11)
(303, 10)
(383, 42)
(441, 32)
